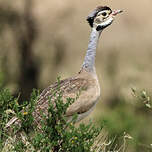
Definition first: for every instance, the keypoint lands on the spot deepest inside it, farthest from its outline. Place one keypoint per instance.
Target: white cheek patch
(107, 22)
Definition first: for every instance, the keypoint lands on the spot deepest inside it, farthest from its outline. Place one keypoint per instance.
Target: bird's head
(102, 17)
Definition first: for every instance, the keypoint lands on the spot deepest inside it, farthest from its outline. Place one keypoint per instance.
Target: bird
(85, 80)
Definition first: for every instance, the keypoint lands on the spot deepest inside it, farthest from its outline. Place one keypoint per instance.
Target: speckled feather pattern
(85, 84)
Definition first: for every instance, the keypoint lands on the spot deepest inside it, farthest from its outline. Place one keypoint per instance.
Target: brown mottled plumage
(85, 81)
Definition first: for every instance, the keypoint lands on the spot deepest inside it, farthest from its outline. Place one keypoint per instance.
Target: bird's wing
(70, 88)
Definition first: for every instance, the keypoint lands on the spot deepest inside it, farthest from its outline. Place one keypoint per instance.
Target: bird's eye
(104, 14)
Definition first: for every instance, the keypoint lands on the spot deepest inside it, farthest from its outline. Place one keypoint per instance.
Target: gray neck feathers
(89, 60)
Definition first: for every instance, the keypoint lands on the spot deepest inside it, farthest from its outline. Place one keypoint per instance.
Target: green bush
(56, 133)
(126, 129)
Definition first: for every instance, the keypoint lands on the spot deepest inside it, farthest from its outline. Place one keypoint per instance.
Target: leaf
(148, 105)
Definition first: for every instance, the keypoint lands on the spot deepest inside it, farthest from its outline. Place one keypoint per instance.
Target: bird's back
(83, 88)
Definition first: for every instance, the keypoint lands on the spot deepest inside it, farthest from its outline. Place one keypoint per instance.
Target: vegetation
(132, 121)
(59, 135)
(56, 133)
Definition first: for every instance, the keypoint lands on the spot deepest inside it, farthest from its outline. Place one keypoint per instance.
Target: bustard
(86, 79)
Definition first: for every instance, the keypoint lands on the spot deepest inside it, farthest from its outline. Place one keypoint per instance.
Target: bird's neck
(89, 60)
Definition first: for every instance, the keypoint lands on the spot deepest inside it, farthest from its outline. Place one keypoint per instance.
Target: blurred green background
(40, 40)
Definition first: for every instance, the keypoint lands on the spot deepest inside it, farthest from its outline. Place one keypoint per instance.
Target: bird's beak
(115, 12)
